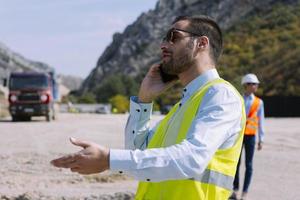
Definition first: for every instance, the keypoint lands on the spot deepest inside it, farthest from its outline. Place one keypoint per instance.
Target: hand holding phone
(154, 83)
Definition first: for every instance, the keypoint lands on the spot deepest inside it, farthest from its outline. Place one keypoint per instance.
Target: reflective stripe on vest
(252, 118)
(215, 183)
(216, 178)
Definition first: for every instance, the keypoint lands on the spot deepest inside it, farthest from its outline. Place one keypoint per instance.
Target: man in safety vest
(255, 123)
(193, 152)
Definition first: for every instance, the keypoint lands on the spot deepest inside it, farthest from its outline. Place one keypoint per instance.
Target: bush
(88, 98)
(119, 104)
(3, 106)
(69, 98)
(156, 106)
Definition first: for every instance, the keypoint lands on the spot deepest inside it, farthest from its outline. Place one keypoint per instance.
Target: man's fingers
(75, 169)
(74, 164)
(80, 143)
(155, 67)
(83, 171)
(71, 164)
(64, 161)
(78, 170)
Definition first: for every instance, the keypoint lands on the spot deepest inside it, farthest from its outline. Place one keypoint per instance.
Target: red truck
(32, 94)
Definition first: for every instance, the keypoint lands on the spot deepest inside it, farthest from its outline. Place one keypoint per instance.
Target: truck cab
(31, 94)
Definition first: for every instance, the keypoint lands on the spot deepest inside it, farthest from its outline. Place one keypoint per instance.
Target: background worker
(255, 123)
(193, 152)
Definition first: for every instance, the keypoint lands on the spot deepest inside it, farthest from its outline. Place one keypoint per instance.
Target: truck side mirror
(4, 82)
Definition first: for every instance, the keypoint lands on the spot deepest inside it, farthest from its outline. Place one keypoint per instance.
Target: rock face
(71, 82)
(11, 61)
(137, 47)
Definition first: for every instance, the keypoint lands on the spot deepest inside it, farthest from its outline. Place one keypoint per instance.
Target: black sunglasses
(171, 37)
(251, 83)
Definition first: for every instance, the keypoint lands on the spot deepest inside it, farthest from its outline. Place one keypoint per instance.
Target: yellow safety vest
(215, 183)
(252, 118)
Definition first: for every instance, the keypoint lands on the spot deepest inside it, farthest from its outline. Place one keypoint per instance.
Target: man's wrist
(144, 100)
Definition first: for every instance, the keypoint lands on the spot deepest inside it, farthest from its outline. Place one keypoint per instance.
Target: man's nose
(164, 45)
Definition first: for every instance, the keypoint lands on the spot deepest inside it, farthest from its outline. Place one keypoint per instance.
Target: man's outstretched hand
(93, 158)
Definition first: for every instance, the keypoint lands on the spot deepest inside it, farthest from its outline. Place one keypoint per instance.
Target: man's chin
(166, 59)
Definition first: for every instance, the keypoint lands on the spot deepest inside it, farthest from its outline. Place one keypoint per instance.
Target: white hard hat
(250, 78)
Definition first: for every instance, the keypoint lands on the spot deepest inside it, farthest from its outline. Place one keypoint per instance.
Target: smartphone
(166, 77)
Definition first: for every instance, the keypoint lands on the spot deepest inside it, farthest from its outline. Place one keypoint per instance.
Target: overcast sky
(69, 35)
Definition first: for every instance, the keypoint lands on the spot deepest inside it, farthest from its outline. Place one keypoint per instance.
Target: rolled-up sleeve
(261, 122)
(137, 128)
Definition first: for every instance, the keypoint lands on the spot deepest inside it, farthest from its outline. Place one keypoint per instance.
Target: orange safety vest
(252, 118)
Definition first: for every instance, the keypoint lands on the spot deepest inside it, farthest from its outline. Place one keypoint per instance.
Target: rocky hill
(11, 61)
(134, 50)
(71, 82)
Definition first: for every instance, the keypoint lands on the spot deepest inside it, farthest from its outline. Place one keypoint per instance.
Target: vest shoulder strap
(194, 104)
(254, 107)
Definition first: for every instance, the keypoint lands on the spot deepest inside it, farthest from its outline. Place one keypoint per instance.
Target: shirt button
(180, 105)
(120, 172)
(133, 131)
(148, 179)
(184, 89)
(138, 110)
(145, 110)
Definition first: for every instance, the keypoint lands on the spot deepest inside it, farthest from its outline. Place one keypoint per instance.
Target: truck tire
(20, 118)
(26, 118)
(14, 118)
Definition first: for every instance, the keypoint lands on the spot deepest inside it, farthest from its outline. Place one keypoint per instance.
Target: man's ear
(202, 42)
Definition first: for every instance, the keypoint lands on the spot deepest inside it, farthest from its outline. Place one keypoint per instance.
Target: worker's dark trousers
(249, 146)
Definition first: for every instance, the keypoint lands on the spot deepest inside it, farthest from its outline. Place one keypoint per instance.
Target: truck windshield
(28, 82)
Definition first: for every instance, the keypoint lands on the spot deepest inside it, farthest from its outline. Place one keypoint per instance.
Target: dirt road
(27, 147)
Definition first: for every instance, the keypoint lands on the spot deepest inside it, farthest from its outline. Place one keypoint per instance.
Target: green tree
(69, 98)
(88, 98)
(114, 85)
(267, 44)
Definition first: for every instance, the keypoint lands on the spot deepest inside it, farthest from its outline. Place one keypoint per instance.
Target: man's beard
(181, 63)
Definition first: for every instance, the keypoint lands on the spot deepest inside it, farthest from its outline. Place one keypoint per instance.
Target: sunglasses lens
(169, 36)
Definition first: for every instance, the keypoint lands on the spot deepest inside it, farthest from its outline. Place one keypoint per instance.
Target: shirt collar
(198, 82)
(251, 96)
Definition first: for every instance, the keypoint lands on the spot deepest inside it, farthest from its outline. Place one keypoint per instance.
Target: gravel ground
(27, 147)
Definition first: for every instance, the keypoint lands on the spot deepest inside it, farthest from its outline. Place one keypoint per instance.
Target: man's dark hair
(204, 25)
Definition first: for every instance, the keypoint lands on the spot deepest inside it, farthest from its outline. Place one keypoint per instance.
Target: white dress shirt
(215, 126)
(260, 114)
